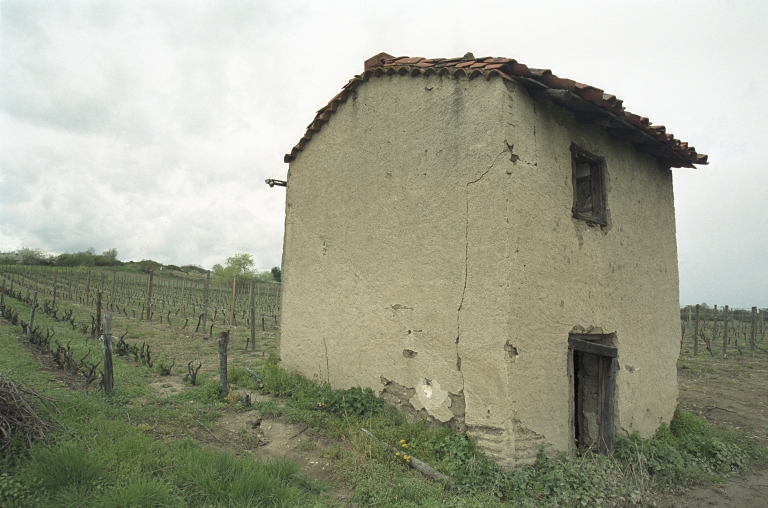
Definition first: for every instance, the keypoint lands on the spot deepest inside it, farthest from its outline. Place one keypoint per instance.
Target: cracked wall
(430, 254)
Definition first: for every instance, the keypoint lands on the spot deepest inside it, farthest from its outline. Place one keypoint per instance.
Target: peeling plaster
(434, 399)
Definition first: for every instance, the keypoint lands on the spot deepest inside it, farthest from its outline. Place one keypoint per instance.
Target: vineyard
(167, 390)
(188, 302)
(723, 332)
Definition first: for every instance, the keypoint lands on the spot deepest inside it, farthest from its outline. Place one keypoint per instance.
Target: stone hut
(491, 245)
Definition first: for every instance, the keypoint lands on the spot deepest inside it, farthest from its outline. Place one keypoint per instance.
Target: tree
(107, 258)
(145, 265)
(76, 259)
(276, 273)
(240, 265)
(29, 256)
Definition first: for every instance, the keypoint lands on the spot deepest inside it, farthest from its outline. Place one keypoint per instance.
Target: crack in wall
(466, 259)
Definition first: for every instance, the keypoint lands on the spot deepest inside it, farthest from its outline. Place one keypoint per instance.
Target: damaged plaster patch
(511, 350)
(435, 400)
(590, 330)
(512, 156)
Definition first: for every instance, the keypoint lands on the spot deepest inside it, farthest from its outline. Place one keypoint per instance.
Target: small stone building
(491, 245)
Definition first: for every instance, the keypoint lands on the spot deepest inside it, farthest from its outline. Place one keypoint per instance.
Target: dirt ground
(732, 392)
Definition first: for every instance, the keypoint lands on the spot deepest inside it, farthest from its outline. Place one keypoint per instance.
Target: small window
(588, 186)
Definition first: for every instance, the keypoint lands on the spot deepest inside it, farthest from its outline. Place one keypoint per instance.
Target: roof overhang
(589, 104)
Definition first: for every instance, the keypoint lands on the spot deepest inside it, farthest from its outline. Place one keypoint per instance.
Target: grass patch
(688, 450)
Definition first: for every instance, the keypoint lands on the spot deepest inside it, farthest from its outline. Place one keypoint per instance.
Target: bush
(686, 450)
(193, 268)
(353, 402)
(77, 259)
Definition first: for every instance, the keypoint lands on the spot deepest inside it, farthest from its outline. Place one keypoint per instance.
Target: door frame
(607, 369)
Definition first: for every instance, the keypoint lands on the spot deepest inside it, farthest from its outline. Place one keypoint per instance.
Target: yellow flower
(397, 454)
(402, 440)
(404, 445)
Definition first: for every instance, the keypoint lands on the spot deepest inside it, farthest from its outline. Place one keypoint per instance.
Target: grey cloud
(150, 126)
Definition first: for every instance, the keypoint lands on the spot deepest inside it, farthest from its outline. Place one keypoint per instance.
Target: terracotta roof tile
(591, 104)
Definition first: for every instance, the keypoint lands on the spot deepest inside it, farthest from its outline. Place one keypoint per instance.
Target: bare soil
(730, 392)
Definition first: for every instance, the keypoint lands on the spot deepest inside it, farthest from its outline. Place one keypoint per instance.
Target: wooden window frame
(597, 180)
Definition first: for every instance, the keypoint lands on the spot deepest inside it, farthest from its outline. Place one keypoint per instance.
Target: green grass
(688, 450)
(114, 451)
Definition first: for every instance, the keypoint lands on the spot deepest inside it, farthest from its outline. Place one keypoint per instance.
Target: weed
(304, 394)
(307, 446)
(232, 397)
(221, 479)
(144, 492)
(68, 464)
(211, 391)
(266, 407)
(239, 376)
(15, 492)
(686, 450)
(163, 367)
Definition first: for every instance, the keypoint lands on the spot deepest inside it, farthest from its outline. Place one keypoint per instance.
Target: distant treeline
(27, 256)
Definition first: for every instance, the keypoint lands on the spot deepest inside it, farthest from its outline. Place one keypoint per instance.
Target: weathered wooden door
(592, 377)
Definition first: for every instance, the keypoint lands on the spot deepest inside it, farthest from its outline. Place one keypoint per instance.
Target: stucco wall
(430, 254)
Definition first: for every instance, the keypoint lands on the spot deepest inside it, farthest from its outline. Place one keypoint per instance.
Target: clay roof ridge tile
(500, 73)
(488, 67)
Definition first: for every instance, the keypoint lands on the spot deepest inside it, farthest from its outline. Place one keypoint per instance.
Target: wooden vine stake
(753, 330)
(183, 306)
(725, 331)
(252, 338)
(232, 307)
(149, 295)
(53, 305)
(106, 346)
(97, 324)
(114, 282)
(696, 333)
(205, 298)
(32, 317)
(223, 343)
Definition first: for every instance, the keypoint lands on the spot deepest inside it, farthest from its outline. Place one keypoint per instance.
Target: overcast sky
(151, 126)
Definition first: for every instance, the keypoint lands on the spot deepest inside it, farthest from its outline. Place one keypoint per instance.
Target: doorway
(592, 377)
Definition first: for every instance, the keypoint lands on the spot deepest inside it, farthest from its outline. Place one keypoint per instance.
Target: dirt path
(750, 490)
